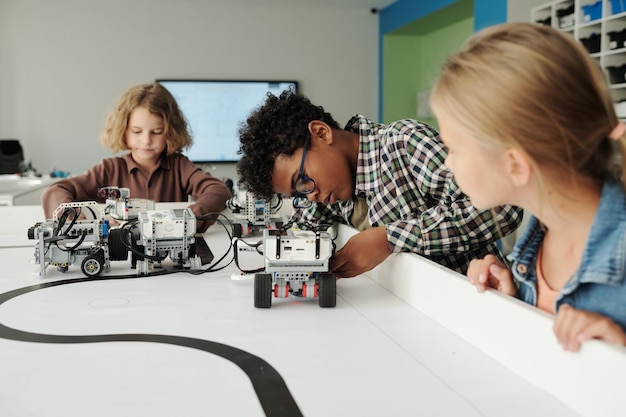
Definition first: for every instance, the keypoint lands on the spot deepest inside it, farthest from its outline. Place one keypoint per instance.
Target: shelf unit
(602, 32)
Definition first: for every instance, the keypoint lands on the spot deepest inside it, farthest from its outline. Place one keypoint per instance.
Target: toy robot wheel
(327, 290)
(237, 230)
(118, 250)
(92, 265)
(263, 290)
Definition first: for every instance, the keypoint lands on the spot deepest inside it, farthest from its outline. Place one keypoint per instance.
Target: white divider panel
(514, 333)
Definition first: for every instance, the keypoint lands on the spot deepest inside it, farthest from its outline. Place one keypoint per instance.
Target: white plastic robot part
(240, 276)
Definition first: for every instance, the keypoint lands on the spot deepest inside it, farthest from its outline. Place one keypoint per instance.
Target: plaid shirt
(401, 173)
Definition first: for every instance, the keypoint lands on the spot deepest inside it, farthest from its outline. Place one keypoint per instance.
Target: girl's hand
(572, 327)
(489, 272)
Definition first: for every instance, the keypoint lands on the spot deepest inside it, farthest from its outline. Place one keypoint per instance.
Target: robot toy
(80, 233)
(296, 263)
(251, 214)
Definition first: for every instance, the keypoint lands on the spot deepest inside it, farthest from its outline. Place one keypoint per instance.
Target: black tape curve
(269, 386)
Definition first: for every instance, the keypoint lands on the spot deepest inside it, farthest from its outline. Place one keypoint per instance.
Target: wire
(165, 271)
(229, 228)
(279, 202)
(76, 245)
(256, 246)
(236, 208)
(63, 219)
(58, 236)
(127, 241)
(314, 227)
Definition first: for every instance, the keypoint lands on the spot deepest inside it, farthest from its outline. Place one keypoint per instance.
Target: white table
(375, 354)
(22, 191)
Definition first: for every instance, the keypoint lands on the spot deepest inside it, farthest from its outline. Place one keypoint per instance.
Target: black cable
(230, 203)
(127, 242)
(76, 245)
(63, 219)
(93, 213)
(279, 202)
(213, 267)
(256, 245)
(131, 247)
(75, 212)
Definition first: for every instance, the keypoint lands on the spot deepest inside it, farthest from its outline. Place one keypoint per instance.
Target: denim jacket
(599, 283)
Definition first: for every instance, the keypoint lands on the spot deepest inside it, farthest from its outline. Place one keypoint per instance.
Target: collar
(604, 258)
(165, 163)
(366, 177)
(527, 247)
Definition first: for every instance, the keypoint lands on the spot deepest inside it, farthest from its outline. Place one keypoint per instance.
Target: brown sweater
(174, 179)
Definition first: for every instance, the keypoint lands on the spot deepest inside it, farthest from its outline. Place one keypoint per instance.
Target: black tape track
(269, 386)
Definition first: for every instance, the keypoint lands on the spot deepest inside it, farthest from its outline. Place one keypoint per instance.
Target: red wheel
(304, 290)
(276, 290)
(316, 290)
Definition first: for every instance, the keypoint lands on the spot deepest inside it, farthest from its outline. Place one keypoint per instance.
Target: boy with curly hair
(148, 124)
(388, 181)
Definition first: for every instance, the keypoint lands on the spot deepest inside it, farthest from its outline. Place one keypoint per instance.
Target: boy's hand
(489, 272)
(361, 253)
(112, 222)
(572, 327)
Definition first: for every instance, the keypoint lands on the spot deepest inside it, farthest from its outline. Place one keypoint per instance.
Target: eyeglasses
(304, 185)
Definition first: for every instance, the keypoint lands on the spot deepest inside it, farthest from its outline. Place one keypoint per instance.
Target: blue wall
(489, 13)
(402, 12)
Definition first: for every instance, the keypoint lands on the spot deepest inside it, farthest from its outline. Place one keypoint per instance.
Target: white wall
(519, 11)
(64, 63)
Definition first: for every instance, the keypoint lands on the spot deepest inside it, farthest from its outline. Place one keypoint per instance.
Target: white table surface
(15, 189)
(372, 355)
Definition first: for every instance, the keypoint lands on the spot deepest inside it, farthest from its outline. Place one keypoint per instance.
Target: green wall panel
(401, 76)
(413, 54)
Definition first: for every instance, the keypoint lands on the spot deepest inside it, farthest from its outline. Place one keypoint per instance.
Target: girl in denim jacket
(528, 120)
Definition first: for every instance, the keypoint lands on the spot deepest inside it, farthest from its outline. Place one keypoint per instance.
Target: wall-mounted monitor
(216, 109)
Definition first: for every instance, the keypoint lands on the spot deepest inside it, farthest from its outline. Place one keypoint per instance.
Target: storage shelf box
(617, 39)
(592, 12)
(565, 17)
(618, 6)
(600, 26)
(547, 21)
(617, 74)
(592, 43)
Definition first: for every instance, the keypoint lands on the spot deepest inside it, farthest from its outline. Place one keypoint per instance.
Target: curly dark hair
(278, 127)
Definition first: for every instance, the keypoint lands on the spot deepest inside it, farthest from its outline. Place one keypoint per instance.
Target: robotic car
(79, 233)
(251, 214)
(296, 263)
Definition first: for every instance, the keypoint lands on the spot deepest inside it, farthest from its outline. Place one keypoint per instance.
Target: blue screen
(216, 109)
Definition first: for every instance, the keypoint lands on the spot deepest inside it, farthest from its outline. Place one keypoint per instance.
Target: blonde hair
(529, 86)
(157, 100)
